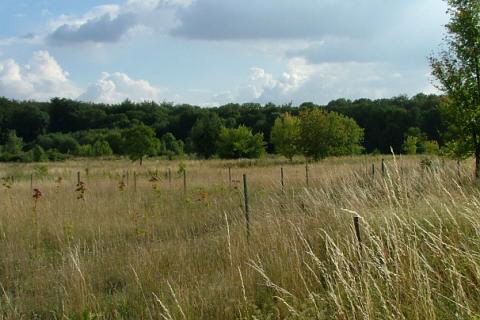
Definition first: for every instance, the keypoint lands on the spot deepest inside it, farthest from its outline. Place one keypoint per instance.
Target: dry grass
(156, 253)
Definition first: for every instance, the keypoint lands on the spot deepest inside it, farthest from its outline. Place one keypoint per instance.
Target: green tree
(240, 143)
(204, 134)
(457, 69)
(431, 147)
(14, 144)
(170, 146)
(410, 145)
(101, 148)
(39, 154)
(285, 135)
(140, 141)
(324, 134)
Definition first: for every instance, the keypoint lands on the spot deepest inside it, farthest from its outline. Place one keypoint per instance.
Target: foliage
(410, 145)
(240, 143)
(62, 142)
(457, 69)
(285, 135)
(431, 147)
(140, 141)
(205, 133)
(14, 144)
(324, 134)
(385, 122)
(39, 154)
(170, 146)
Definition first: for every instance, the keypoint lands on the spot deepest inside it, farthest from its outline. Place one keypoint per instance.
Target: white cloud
(320, 83)
(41, 79)
(116, 87)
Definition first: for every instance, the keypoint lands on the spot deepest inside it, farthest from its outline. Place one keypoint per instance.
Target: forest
(60, 128)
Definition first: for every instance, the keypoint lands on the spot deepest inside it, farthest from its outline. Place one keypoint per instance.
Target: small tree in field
(457, 69)
(285, 135)
(240, 143)
(410, 145)
(140, 141)
(324, 134)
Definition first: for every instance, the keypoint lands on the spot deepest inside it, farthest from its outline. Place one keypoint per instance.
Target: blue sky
(211, 52)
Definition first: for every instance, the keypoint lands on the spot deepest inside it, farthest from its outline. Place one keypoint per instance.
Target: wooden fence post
(356, 224)
(247, 208)
(281, 178)
(31, 181)
(78, 178)
(230, 177)
(170, 178)
(135, 180)
(185, 182)
(383, 166)
(373, 169)
(306, 174)
(458, 169)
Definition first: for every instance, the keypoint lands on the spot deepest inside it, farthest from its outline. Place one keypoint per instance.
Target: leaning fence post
(247, 208)
(383, 166)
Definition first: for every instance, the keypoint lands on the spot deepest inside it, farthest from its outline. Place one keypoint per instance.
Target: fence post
(78, 177)
(356, 224)
(383, 166)
(458, 168)
(281, 177)
(306, 173)
(373, 169)
(31, 181)
(247, 208)
(230, 177)
(170, 178)
(135, 180)
(185, 182)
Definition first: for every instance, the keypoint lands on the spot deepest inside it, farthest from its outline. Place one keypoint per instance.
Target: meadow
(131, 242)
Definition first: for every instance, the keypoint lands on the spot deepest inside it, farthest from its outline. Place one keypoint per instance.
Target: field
(130, 243)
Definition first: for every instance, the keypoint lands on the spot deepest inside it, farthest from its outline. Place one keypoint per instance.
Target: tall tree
(457, 68)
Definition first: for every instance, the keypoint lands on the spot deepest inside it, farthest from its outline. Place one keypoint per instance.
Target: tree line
(55, 130)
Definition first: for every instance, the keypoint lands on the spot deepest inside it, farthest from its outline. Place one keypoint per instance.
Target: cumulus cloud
(320, 83)
(116, 87)
(41, 79)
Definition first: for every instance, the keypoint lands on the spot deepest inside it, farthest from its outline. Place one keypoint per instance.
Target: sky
(212, 52)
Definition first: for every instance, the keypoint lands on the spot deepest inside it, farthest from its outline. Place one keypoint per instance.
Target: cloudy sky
(210, 52)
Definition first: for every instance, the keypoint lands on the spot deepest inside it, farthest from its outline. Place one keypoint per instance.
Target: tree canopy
(457, 69)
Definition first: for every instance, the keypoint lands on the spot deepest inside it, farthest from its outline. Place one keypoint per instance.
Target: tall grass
(156, 253)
